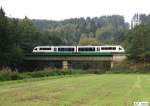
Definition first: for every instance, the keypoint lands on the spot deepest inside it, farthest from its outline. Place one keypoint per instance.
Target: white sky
(64, 9)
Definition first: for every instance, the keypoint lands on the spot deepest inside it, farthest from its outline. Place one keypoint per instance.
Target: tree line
(138, 39)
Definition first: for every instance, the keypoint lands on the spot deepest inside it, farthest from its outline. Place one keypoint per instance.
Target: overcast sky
(64, 9)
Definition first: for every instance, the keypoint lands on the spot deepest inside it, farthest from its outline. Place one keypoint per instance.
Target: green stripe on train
(72, 53)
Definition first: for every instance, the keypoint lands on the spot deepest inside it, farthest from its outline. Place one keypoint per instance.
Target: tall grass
(8, 74)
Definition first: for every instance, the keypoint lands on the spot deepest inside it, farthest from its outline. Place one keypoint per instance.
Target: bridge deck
(70, 57)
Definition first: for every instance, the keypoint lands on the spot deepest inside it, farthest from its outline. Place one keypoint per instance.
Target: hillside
(109, 28)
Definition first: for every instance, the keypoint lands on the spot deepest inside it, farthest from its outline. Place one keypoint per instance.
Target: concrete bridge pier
(111, 64)
(66, 64)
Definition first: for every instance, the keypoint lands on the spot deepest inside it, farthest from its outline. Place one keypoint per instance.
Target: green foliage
(28, 34)
(4, 39)
(45, 73)
(8, 74)
(88, 41)
(105, 34)
(138, 43)
(106, 29)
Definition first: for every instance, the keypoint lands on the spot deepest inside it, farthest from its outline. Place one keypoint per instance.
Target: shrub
(8, 74)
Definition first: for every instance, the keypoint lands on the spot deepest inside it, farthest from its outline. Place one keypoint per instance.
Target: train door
(55, 49)
(98, 49)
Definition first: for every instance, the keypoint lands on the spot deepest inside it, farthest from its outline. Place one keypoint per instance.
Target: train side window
(65, 49)
(59, 49)
(92, 49)
(120, 48)
(71, 49)
(35, 49)
(45, 48)
(55, 49)
(80, 49)
(108, 48)
(104, 48)
(48, 48)
(86, 49)
(98, 49)
(114, 48)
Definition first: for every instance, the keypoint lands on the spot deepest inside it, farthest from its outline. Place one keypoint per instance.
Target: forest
(19, 36)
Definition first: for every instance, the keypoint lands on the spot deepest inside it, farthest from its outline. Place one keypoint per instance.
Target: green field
(82, 90)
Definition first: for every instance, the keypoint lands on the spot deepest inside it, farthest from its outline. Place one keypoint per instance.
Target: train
(79, 49)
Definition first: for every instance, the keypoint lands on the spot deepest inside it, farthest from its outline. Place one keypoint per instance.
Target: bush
(8, 74)
(47, 72)
(147, 67)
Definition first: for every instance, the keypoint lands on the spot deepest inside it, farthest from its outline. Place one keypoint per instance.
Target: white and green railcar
(106, 49)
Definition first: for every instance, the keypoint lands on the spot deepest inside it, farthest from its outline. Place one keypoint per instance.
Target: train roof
(82, 46)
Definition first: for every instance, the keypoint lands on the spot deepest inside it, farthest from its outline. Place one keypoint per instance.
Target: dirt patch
(34, 98)
(55, 97)
(78, 103)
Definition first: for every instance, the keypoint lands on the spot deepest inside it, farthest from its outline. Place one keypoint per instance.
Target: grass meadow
(77, 90)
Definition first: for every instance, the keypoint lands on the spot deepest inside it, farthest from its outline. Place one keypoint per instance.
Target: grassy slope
(86, 90)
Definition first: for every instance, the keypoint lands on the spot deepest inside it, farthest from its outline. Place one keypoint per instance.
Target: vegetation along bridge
(67, 59)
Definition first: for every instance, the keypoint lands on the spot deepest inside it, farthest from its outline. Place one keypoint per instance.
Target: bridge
(67, 59)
